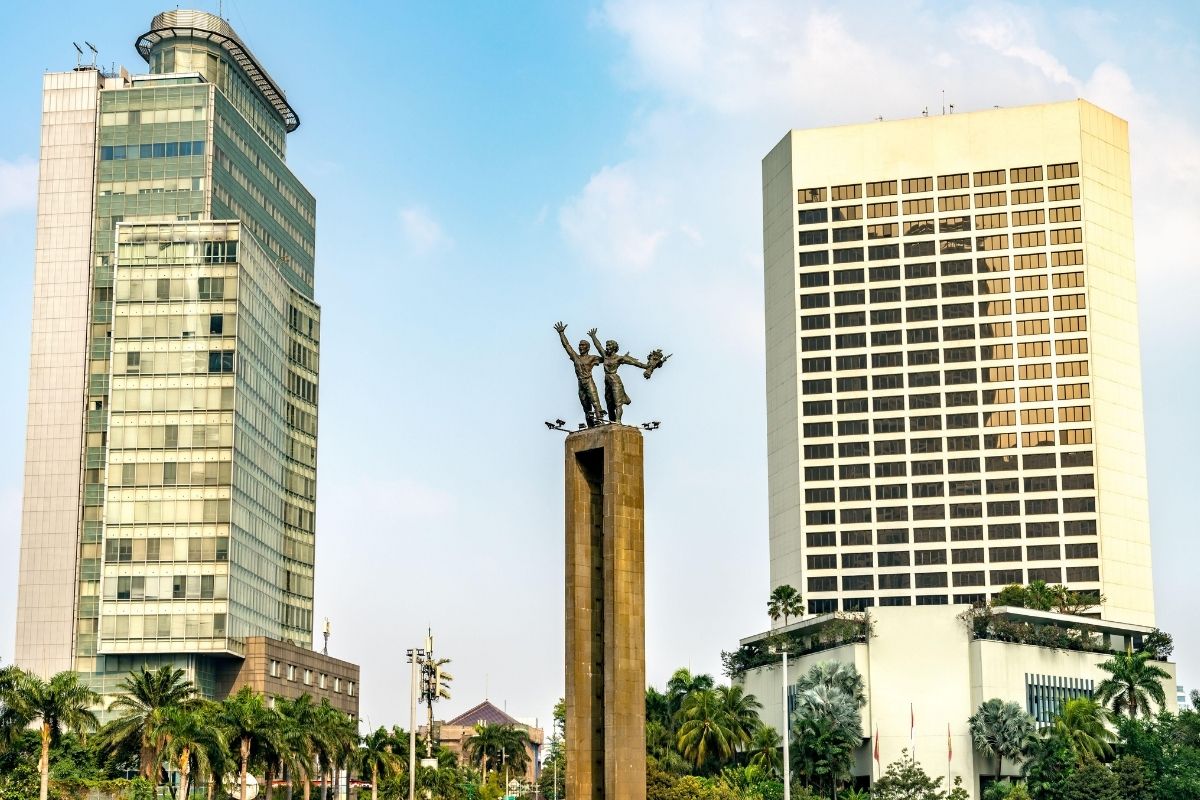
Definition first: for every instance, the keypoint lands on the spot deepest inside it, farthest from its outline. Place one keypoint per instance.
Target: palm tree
(681, 684)
(303, 737)
(785, 602)
(740, 713)
(375, 756)
(705, 736)
(828, 728)
(145, 697)
(247, 722)
(190, 736)
(498, 744)
(1002, 730)
(835, 675)
(764, 750)
(62, 703)
(1083, 725)
(338, 738)
(1133, 684)
(658, 707)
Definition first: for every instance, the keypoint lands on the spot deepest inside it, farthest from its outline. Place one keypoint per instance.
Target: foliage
(60, 704)
(1159, 644)
(1134, 683)
(1006, 790)
(904, 779)
(145, 697)
(839, 629)
(983, 623)
(1093, 781)
(826, 731)
(785, 602)
(1040, 596)
(1001, 730)
(706, 739)
(1084, 725)
(491, 746)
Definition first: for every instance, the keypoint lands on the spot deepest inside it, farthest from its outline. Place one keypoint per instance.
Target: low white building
(928, 668)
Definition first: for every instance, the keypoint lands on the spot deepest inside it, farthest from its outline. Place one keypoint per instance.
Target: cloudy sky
(483, 170)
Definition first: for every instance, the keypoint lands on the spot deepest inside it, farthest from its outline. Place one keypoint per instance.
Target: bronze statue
(614, 390)
(584, 363)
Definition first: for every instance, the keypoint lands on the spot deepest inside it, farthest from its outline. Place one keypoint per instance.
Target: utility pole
(415, 657)
(787, 727)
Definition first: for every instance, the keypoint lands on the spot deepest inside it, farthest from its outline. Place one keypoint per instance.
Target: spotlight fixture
(557, 425)
(651, 426)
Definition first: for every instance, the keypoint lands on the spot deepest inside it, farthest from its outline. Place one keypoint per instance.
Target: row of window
(929, 291)
(928, 379)
(934, 422)
(932, 511)
(956, 399)
(121, 152)
(306, 676)
(196, 549)
(997, 241)
(938, 466)
(960, 180)
(958, 533)
(945, 289)
(1050, 575)
(928, 580)
(956, 488)
(948, 267)
(927, 227)
(966, 555)
(162, 626)
(166, 587)
(945, 203)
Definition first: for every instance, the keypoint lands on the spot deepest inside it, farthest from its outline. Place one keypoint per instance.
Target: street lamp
(787, 726)
(415, 654)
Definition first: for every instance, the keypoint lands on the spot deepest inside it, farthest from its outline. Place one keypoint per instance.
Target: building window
(291, 672)
(350, 688)
(308, 677)
(321, 680)
(337, 685)
(274, 669)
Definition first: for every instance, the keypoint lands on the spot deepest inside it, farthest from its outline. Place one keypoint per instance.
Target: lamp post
(414, 657)
(787, 726)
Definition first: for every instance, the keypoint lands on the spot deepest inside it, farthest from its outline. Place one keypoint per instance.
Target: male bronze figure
(584, 363)
(614, 389)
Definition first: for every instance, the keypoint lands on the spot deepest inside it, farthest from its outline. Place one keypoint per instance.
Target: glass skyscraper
(171, 449)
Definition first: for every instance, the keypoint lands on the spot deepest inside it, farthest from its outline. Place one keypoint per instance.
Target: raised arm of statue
(596, 340)
(562, 337)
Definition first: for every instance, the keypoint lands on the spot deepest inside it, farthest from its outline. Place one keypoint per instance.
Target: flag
(949, 744)
(912, 733)
(877, 743)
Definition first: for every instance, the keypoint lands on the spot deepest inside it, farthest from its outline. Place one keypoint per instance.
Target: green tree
(302, 736)
(376, 759)
(1001, 730)
(658, 708)
(144, 699)
(785, 602)
(836, 675)
(1083, 725)
(57, 705)
(680, 685)
(904, 779)
(705, 738)
(1134, 682)
(1093, 781)
(1133, 778)
(827, 729)
(191, 738)
(494, 746)
(765, 750)
(248, 724)
(740, 714)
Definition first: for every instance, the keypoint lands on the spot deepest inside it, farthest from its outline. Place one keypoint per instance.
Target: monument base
(605, 615)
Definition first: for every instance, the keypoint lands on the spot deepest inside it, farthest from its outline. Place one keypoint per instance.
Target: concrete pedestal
(605, 615)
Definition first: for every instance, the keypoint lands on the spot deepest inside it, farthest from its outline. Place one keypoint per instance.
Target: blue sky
(482, 170)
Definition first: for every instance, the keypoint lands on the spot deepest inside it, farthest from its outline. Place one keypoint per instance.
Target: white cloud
(422, 232)
(612, 220)
(18, 185)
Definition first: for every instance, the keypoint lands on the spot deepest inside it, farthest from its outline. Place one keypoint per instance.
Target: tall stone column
(605, 615)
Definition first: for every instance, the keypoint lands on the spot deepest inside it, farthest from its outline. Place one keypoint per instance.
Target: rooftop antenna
(325, 649)
(952, 108)
(78, 53)
(95, 52)
(943, 102)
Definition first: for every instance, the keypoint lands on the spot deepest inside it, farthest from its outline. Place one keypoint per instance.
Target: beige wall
(341, 688)
(57, 372)
(924, 656)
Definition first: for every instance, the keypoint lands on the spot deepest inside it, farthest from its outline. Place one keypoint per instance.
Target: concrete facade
(605, 614)
(925, 674)
(953, 376)
(282, 669)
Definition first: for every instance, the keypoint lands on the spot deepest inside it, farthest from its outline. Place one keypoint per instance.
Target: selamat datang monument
(605, 584)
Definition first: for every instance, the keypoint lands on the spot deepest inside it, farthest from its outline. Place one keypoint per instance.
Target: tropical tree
(497, 745)
(1134, 683)
(764, 750)
(375, 757)
(1001, 730)
(144, 698)
(836, 675)
(190, 737)
(740, 714)
(681, 684)
(337, 740)
(302, 737)
(658, 707)
(1083, 725)
(57, 705)
(827, 728)
(785, 602)
(248, 724)
(705, 737)
(905, 779)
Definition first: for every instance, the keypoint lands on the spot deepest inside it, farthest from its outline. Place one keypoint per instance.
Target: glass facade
(196, 500)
